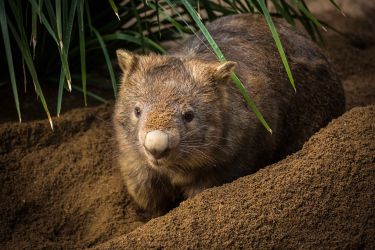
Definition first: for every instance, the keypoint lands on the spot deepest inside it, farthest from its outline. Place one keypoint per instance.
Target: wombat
(182, 126)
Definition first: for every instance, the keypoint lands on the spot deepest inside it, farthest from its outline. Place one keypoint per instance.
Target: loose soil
(62, 189)
(322, 196)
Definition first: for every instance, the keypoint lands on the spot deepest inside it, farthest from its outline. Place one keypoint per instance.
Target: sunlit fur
(224, 140)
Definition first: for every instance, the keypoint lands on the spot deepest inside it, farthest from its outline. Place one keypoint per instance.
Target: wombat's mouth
(168, 159)
(157, 162)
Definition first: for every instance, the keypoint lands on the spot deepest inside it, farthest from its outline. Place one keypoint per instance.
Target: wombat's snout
(157, 143)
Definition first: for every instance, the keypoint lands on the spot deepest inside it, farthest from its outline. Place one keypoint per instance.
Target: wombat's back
(293, 116)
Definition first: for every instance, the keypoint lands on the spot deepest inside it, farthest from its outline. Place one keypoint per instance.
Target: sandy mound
(62, 189)
(322, 196)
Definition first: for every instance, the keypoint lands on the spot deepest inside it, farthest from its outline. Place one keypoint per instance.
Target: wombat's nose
(156, 142)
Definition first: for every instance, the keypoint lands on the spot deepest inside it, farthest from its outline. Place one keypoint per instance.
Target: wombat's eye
(137, 112)
(188, 116)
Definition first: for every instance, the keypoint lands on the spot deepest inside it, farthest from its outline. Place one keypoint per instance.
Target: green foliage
(57, 39)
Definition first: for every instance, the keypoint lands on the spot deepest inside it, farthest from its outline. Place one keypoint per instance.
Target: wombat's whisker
(192, 151)
(193, 132)
(206, 145)
(221, 138)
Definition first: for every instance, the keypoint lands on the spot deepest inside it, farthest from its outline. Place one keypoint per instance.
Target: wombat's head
(169, 109)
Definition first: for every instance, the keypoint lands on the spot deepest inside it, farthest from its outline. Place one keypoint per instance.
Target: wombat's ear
(125, 59)
(224, 70)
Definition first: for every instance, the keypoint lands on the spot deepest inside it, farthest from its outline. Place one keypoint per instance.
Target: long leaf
(88, 15)
(256, 4)
(279, 46)
(34, 29)
(181, 29)
(139, 23)
(26, 54)
(284, 11)
(8, 52)
(114, 7)
(68, 24)
(149, 42)
(89, 93)
(221, 57)
(58, 19)
(60, 92)
(60, 45)
(107, 59)
(82, 48)
(210, 13)
(306, 12)
(333, 2)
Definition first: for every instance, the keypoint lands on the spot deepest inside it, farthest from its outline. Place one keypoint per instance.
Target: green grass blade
(60, 92)
(26, 54)
(81, 32)
(64, 61)
(60, 45)
(88, 15)
(109, 38)
(51, 13)
(24, 75)
(180, 28)
(148, 41)
(255, 3)
(65, 8)
(157, 15)
(242, 7)
(201, 27)
(221, 57)
(68, 21)
(250, 7)
(333, 2)
(40, 9)
(34, 29)
(114, 7)
(210, 13)
(217, 7)
(62, 49)
(58, 20)
(308, 25)
(69, 25)
(139, 23)
(89, 93)
(16, 10)
(307, 13)
(283, 10)
(153, 44)
(64, 40)
(250, 102)
(232, 5)
(279, 46)
(132, 37)
(107, 59)
(288, 10)
(8, 52)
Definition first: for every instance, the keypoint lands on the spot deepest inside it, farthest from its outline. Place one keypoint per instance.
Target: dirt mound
(60, 189)
(320, 197)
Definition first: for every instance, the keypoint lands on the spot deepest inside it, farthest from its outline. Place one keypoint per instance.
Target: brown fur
(224, 140)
